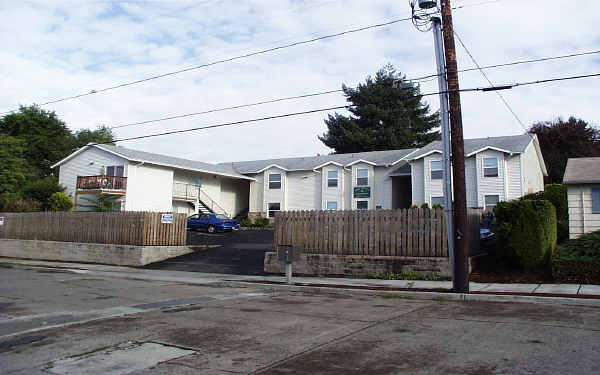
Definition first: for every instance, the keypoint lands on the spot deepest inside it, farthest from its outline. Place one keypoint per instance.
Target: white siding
(90, 162)
(274, 195)
(383, 187)
(490, 185)
(303, 190)
(149, 188)
(234, 196)
(514, 181)
(372, 183)
(257, 193)
(331, 194)
(432, 188)
(581, 220)
(418, 182)
(471, 181)
(533, 178)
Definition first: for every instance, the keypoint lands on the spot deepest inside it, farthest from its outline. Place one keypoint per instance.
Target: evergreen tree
(386, 114)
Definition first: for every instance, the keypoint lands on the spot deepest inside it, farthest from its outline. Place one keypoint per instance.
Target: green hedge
(527, 232)
(578, 260)
(557, 195)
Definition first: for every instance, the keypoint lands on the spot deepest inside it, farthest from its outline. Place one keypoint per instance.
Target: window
(490, 167)
(437, 201)
(437, 172)
(274, 207)
(332, 206)
(491, 201)
(332, 178)
(362, 177)
(596, 200)
(115, 170)
(362, 205)
(194, 217)
(275, 181)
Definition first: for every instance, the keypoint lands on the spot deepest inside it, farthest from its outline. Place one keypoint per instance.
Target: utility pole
(444, 114)
(461, 249)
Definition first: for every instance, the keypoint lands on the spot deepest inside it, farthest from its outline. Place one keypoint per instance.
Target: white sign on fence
(1, 220)
(166, 219)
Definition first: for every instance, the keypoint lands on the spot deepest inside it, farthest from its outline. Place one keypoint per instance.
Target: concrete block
(593, 290)
(558, 288)
(119, 255)
(514, 288)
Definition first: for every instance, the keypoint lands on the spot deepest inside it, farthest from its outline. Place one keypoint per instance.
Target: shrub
(60, 202)
(578, 260)
(557, 195)
(527, 232)
(261, 222)
(41, 190)
(245, 222)
(425, 205)
(13, 202)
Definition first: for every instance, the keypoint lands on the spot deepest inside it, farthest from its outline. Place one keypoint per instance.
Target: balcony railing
(185, 191)
(102, 182)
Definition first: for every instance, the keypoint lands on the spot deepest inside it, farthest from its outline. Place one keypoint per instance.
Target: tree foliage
(560, 140)
(102, 134)
(387, 113)
(60, 202)
(14, 169)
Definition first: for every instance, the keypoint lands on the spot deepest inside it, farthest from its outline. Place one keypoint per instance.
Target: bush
(245, 222)
(557, 195)
(578, 260)
(41, 190)
(60, 202)
(261, 222)
(425, 205)
(14, 202)
(527, 232)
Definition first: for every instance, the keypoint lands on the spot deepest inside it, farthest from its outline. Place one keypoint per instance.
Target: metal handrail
(195, 191)
(212, 202)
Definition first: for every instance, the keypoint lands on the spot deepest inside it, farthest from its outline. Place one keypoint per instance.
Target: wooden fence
(121, 228)
(408, 232)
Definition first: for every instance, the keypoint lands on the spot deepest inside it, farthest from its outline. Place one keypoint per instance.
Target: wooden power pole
(461, 248)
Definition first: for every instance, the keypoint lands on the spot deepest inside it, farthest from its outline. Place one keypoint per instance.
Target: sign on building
(166, 219)
(362, 192)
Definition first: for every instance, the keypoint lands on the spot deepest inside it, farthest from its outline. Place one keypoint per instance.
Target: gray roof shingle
(310, 162)
(135, 155)
(513, 143)
(582, 171)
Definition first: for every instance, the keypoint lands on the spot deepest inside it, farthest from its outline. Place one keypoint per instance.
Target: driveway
(239, 252)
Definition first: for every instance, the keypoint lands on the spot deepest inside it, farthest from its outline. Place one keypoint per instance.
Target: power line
(483, 89)
(216, 62)
(94, 91)
(490, 82)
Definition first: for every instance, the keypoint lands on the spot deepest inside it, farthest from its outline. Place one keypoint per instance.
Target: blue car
(212, 223)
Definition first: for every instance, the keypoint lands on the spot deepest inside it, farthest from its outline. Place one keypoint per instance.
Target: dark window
(275, 181)
(437, 172)
(437, 201)
(332, 178)
(362, 177)
(362, 205)
(115, 170)
(491, 201)
(596, 200)
(274, 207)
(490, 167)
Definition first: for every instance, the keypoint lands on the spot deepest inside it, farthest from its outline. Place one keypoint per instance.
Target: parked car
(212, 223)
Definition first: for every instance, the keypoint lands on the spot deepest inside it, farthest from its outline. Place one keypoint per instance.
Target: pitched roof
(582, 171)
(512, 144)
(162, 160)
(311, 162)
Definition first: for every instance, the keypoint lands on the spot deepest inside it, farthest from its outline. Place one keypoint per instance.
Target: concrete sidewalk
(417, 288)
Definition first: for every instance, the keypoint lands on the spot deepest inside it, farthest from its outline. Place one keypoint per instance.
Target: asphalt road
(60, 322)
(240, 253)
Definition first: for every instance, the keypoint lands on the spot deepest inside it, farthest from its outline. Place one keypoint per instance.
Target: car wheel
(211, 229)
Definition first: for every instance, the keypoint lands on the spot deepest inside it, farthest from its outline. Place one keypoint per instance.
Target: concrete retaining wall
(119, 255)
(356, 265)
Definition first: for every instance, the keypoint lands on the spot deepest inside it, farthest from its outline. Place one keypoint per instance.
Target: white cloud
(57, 49)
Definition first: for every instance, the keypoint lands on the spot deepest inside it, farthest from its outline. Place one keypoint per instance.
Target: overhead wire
(482, 89)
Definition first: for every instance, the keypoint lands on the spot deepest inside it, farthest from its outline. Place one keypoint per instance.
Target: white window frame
(485, 205)
(336, 179)
(362, 200)
(431, 170)
(358, 178)
(432, 198)
(269, 210)
(115, 169)
(280, 181)
(497, 167)
(332, 209)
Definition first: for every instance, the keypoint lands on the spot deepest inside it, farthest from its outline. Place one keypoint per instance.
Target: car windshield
(221, 217)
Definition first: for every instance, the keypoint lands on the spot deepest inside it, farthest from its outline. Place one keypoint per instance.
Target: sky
(55, 49)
